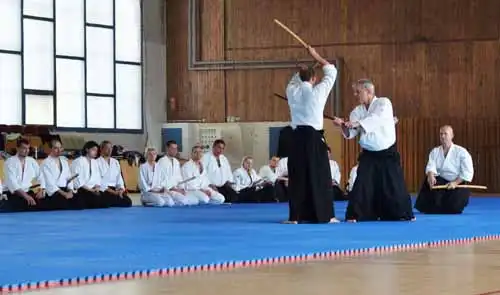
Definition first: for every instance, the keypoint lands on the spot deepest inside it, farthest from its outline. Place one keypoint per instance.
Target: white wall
(155, 91)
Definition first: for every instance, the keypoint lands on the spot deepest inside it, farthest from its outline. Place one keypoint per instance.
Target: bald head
(446, 135)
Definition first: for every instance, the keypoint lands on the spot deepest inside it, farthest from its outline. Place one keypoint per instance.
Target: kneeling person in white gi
(449, 164)
(200, 185)
(174, 177)
(151, 183)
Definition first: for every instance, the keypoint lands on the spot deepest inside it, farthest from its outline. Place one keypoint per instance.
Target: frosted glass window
(100, 62)
(10, 25)
(128, 30)
(39, 110)
(41, 8)
(100, 12)
(10, 89)
(70, 79)
(70, 28)
(100, 112)
(128, 97)
(38, 55)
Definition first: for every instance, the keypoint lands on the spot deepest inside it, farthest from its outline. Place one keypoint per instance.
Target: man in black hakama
(59, 181)
(450, 165)
(285, 142)
(20, 170)
(379, 192)
(309, 176)
(442, 201)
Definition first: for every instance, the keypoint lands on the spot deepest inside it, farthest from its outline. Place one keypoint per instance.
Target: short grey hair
(366, 84)
(150, 149)
(195, 147)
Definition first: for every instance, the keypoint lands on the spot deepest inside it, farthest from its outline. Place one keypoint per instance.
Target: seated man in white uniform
(58, 180)
(337, 193)
(20, 170)
(219, 171)
(281, 184)
(200, 185)
(88, 182)
(268, 172)
(152, 182)
(175, 182)
(251, 188)
(112, 184)
(449, 164)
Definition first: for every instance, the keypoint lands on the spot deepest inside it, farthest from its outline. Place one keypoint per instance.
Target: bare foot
(289, 222)
(334, 220)
(351, 220)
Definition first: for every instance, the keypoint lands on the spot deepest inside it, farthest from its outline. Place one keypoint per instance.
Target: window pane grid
(62, 43)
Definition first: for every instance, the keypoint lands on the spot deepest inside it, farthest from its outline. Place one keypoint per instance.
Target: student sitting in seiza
(153, 182)
(88, 182)
(112, 184)
(268, 172)
(449, 164)
(250, 186)
(20, 170)
(219, 171)
(58, 180)
(200, 185)
(175, 182)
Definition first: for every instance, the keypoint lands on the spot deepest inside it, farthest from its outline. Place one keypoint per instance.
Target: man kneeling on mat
(20, 171)
(88, 182)
(112, 184)
(58, 180)
(449, 164)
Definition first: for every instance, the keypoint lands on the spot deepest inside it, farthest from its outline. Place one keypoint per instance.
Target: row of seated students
(94, 179)
(204, 179)
(209, 179)
(89, 182)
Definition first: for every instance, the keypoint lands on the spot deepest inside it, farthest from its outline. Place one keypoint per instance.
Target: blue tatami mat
(56, 245)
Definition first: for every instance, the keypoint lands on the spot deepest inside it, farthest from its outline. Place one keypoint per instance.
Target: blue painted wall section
(171, 134)
(274, 136)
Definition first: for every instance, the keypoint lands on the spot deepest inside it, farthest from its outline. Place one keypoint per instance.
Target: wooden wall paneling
(460, 20)
(178, 83)
(407, 70)
(484, 74)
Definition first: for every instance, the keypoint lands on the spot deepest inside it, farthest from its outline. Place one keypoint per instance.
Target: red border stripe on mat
(132, 275)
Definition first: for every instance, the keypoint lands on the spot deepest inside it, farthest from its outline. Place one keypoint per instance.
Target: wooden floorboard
(459, 270)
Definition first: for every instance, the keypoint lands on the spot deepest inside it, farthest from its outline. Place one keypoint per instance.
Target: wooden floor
(461, 270)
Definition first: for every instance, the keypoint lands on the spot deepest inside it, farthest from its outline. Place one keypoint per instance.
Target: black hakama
(309, 177)
(254, 195)
(17, 203)
(92, 200)
(379, 192)
(285, 142)
(116, 201)
(230, 195)
(441, 201)
(338, 194)
(59, 202)
(281, 191)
